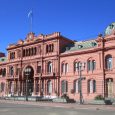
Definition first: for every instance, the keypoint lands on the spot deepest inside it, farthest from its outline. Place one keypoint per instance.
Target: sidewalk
(62, 105)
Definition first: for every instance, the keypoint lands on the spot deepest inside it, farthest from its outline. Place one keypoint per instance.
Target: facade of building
(48, 65)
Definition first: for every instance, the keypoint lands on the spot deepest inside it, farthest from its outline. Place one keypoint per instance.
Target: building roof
(3, 59)
(80, 45)
(2, 54)
(109, 30)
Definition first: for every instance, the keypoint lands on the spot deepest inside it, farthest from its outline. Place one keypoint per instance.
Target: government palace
(53, 65)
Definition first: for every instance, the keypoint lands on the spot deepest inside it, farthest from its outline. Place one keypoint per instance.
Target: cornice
(80, 52)
(34, 40)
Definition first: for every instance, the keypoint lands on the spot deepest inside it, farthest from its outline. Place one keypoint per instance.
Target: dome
(110, 29)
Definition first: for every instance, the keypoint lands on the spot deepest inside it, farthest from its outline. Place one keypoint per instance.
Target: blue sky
(75, 19)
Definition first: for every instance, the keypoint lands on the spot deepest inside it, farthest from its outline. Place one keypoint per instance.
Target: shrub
(99, 97)
(65, 96)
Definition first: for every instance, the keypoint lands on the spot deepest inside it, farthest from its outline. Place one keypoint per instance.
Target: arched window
(63, 68)
(89, 65)
(49, 87)
(12, 55)
(93, 65)
(108, 61)
(66, 67)
(64, 86)
(91, 86)
(76, 66)
(76, 86)
(49, 67)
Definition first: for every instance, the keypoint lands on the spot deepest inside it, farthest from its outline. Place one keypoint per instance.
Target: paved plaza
(42, 108)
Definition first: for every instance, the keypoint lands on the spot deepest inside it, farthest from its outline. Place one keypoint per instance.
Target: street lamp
(80, 67)
(27, 73)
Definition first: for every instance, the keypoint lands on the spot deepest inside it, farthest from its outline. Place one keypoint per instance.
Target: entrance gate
(28, 81)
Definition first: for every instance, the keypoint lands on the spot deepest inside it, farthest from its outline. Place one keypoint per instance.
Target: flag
(30, 17)
(30, 14)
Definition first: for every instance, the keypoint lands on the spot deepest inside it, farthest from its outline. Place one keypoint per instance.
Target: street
(28, 109)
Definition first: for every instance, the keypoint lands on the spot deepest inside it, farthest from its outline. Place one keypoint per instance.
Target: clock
(30, 36)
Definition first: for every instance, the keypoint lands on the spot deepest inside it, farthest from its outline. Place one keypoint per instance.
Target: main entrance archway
(28, 81)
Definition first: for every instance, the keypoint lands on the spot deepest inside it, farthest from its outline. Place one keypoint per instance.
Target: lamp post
(80, 67)
(27, 73)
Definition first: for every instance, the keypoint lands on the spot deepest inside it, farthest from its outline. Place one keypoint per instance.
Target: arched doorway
(28, 81)
(109, 87)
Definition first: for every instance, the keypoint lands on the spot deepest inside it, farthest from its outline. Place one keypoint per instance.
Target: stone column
(34, 91)
(7, 88)
(39, 87)
(45, 87)
(14, 87)
(18, 88)
(22, 92)
(55, 86)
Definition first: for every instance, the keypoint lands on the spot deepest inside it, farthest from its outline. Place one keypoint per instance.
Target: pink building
(47, 65)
